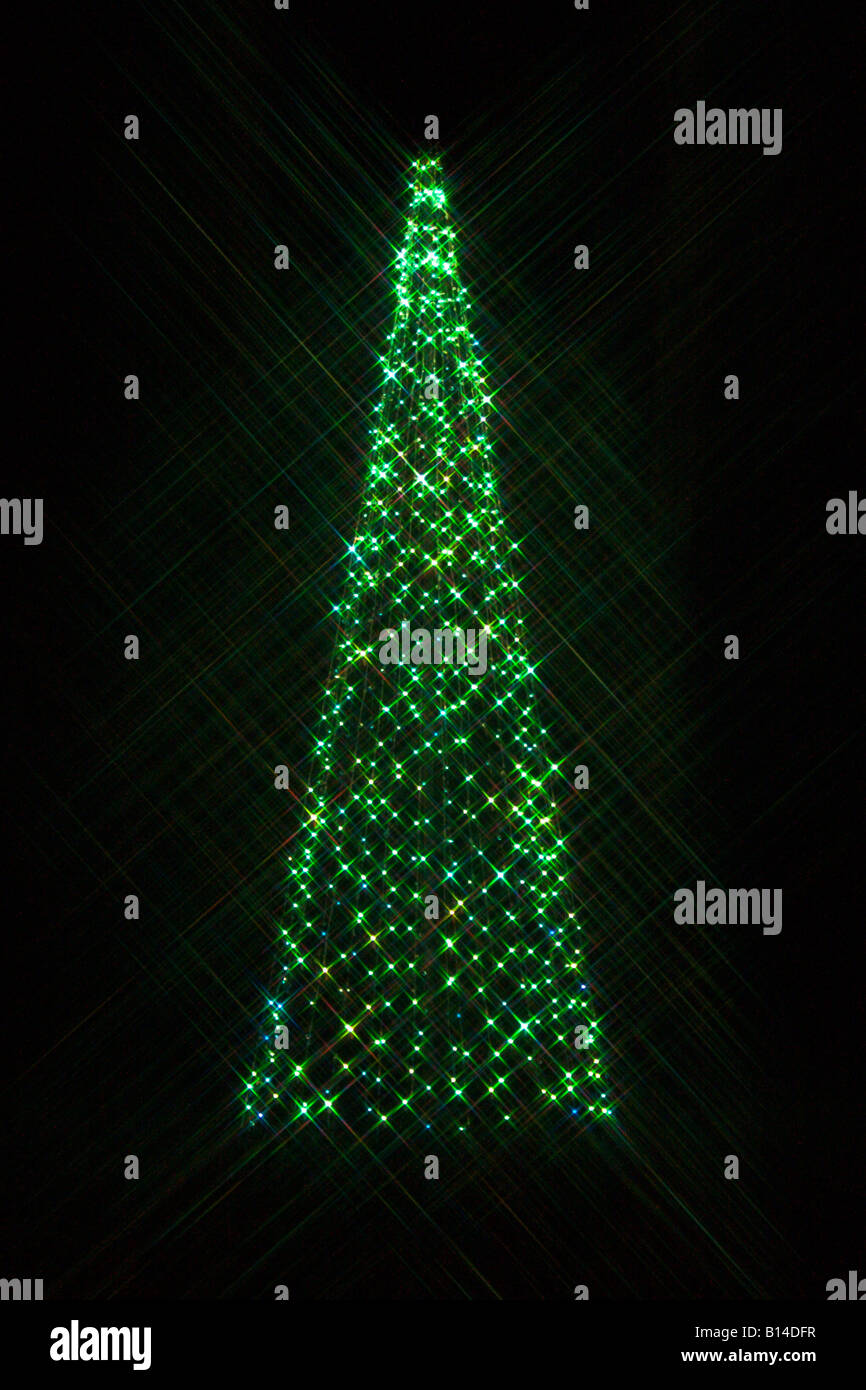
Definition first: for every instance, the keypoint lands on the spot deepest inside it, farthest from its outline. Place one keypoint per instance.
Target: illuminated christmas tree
(430, 965)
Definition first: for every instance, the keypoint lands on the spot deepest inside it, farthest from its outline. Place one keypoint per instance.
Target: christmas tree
(430, 969)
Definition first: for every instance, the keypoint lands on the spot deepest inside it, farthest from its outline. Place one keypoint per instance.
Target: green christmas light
(430, 781)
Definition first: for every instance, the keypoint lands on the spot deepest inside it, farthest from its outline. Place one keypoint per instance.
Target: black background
(551, 126)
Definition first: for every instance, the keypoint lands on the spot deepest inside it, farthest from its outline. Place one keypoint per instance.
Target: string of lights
(431, 969)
